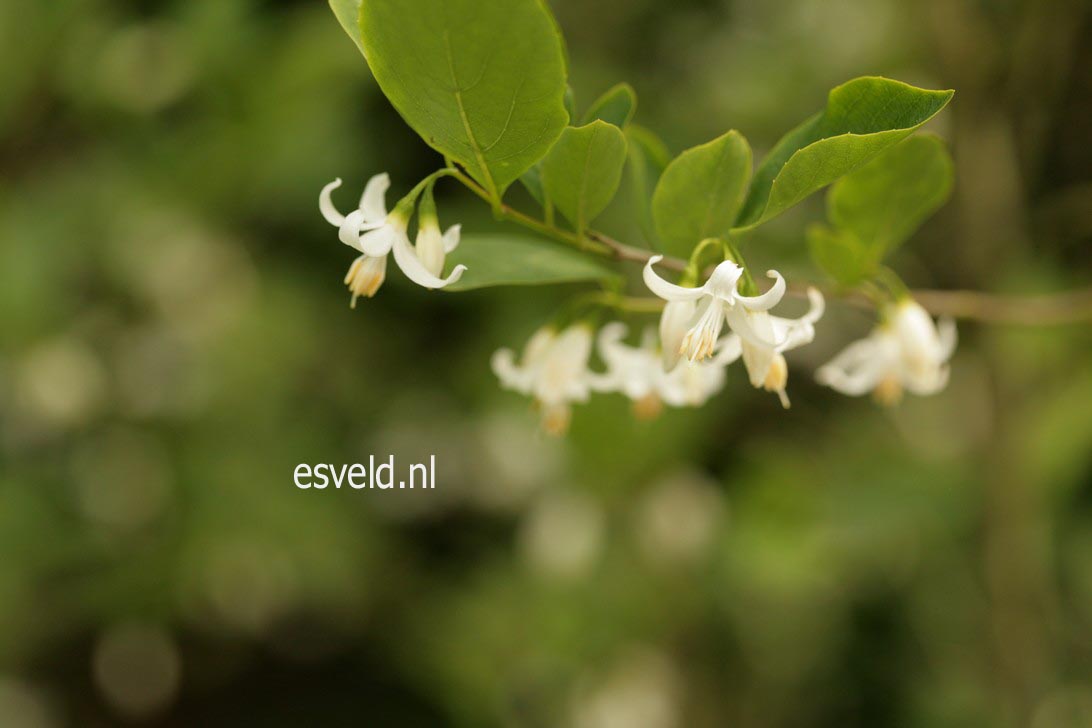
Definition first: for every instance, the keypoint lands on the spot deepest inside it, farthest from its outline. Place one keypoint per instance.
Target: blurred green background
(174, 338)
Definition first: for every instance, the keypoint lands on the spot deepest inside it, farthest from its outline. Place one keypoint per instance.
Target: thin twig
(1039, 310)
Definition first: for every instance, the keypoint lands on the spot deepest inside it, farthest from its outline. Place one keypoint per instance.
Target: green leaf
(583, 169)
(482, 81)
(570, 103)
(617, 106)
(521, 260)
(348, 14)
(841, 254)
(886, 200)
(700, 193)
(863, 118)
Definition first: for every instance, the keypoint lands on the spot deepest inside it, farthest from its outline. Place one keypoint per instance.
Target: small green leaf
(841, 255)
(570, 103)
(863, 118)
(582, 171)
(700, 193)
(617, 106)
(886, 200)
(348, 14)
(482, 81)
(521, 260)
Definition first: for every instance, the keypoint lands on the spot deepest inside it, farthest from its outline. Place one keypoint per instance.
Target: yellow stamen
(556, 419)
(888, 392)
(648, 408)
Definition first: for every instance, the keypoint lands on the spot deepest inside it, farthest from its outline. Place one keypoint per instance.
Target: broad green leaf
(348, 14)
(863, 118)
(482, 81)
(521, 260)
(617, 106)
(841, 255)
(885, 201)
(583, 169)
(647, 158)
(700, 193)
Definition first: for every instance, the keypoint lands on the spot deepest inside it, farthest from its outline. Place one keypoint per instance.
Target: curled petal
(326, 204)
(664, 289)
(373, 202)
(511, 376)
(818, 306)
(451, 238)
(351, 227)
(770, 298)
(406, 258)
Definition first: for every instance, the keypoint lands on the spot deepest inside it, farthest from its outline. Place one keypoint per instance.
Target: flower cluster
(702, 329)
(683, 368)
(906, 351)
(375, 233)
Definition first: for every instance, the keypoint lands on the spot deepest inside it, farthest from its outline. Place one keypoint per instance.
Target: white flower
(553, 370)
(766, 338)
(763, 337)
(639, 373)
(692, 384)
(722, 301)
(374, 232)
(906, 351)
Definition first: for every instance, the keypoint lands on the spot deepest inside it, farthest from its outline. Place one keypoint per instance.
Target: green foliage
(521, 260)
(617, 106)
(700, 193)
(348, 14)
(582, 171)
(863, 118)
(885, 201)
(482, 81)
(840, 254)
(880, 205)
(648, 158)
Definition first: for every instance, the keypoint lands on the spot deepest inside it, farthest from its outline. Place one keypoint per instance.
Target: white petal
(430, 249)
(373, 202)
(378, 243)
(858, 368)
(675, 321)
(451, 238)
(739, 322)
(767, 300)
(511, 376)
(665, 290)
(757, 360)
(854, 384)
(817, 306)
(928, 384)
(326, 204)
(406, 258)
(728, 350)
(350, 229)
(948, 338)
